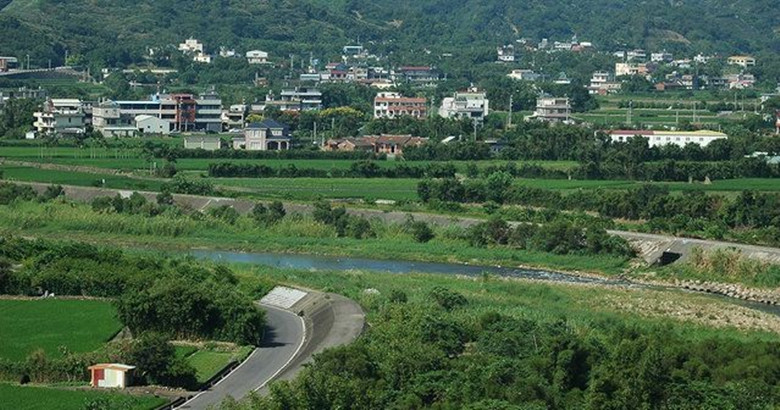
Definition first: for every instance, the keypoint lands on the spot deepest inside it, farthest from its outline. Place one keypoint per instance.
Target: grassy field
(209, 360)
(694, 314)
(34, 398)
(80, 325)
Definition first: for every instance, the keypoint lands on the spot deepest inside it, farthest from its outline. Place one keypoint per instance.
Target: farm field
(133, 162)
(44, 398)
(79, 325)
(30, 174)
(406, 189)
(305, 189)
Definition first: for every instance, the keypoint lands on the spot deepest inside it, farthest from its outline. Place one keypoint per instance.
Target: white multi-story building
(637, 54)
(268, 135)
(658, 138)
(61, 117)
(109, 120)
(552, 109)
(524, 75)
(393, 105)
(186, 112)
(742, 61)
(622, 69)
(191, 45)
(506, 53)
(257, 57)
(662, 57)
(234, 117)
(471, 104)
(602, 83)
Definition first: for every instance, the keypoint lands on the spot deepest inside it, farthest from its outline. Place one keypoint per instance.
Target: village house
(391, 145)
(623, 69)
(472, 104)
(234, 117)
(662, 57)
(742, 61)
(257, 57)
(506, 53)
(109, 120)
(393, 105)
(61, 116)
(552, 109)
(524, 75)
(420, 75)
(603, 83)
(6, 63)
(268, 135)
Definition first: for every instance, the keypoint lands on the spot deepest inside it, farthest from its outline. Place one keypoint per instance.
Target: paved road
(283, 340)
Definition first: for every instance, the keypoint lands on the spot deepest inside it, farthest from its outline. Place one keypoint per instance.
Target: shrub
(422, 232)
(446, 298)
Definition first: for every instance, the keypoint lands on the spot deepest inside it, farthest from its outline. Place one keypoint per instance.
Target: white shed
(111, 375)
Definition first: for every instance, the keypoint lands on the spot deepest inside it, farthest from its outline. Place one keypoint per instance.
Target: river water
(328, 263)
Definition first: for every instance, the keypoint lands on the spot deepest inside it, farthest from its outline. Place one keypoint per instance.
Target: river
(329, 263)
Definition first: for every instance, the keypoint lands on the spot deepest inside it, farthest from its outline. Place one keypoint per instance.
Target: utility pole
(509, 118)
(28, 61)
(629, 113)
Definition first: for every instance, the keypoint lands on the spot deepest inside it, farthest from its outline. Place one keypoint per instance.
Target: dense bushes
(665, 211)
(346, 225)
(425, 354)
(559, 237)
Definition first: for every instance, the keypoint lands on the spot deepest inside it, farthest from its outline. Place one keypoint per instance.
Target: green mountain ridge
(118, 31)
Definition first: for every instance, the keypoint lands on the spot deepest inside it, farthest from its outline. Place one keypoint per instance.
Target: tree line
(712, 216)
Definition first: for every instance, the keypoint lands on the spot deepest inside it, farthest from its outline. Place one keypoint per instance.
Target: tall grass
(296, 233)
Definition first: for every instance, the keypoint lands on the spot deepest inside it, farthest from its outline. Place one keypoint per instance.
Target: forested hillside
(120, 31)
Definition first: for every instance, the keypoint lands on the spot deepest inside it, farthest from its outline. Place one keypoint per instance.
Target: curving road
(284, 339)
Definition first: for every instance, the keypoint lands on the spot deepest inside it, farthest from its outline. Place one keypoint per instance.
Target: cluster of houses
(194, 48)
(161, 114)
(635, 62)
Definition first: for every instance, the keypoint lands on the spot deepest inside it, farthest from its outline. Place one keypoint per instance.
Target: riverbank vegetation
(135, 220)
(438, 341)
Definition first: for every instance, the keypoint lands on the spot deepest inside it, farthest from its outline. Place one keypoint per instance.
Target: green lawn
(30, 174)
(80, 325)
(34, 397)
(208, 361)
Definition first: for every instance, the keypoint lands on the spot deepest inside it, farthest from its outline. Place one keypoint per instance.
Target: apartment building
(552, 109)
(393, 105)
(61, 116)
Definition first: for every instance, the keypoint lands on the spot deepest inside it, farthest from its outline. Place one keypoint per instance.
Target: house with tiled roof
(394, 105)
